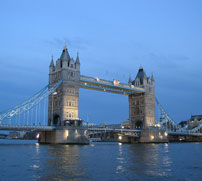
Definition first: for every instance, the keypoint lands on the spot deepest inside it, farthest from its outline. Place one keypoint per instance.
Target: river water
(27, 160)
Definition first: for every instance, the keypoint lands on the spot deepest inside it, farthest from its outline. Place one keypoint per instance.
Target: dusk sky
(113, 39)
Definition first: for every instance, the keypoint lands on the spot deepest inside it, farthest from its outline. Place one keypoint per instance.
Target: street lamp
(54, 93)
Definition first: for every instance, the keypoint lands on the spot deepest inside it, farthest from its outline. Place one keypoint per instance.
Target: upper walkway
(109, 86)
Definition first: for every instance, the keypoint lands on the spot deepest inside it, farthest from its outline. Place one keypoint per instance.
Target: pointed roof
(141, 74)
(52, 63)
(77, 58)
(71, 60)
(65, 55)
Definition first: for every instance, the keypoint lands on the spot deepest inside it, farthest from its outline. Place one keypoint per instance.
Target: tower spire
(141, 75)
(77, 58)
(52, 62)
(65, 55)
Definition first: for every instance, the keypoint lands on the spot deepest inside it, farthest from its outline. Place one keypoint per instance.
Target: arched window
(72, 114)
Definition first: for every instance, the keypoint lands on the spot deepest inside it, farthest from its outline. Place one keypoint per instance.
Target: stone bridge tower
(63, 103)
(142, 106)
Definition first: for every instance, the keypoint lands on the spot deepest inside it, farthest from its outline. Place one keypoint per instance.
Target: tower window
(72, 74)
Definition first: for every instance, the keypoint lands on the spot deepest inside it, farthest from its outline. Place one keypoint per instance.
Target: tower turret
(141, 78)
(77, 64)
(51, 66)
(65, 54)
(71, 63)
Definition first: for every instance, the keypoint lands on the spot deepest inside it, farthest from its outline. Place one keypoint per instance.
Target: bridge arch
(56, 120)
(139, 124)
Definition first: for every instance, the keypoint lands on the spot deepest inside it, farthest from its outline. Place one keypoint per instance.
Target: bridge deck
(26, 128)
(92, 130)
(51, 128)
(114, 130)
(184, 133)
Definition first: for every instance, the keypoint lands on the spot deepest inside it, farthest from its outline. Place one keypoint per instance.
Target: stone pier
(64, 135)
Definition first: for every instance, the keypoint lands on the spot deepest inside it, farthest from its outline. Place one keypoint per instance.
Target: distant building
(16, 134)
(196, 118)
(3, 136)
(113, 126)
(30, 135)
(89, 124)
(183, 123)
(125, 124)
(195, 121)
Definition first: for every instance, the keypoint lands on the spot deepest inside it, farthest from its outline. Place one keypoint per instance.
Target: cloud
(76, 42)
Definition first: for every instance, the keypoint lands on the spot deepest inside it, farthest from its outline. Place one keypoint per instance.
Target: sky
(114, 38)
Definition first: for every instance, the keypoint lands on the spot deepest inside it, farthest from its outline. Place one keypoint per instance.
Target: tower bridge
(63, 124)
(140, 92)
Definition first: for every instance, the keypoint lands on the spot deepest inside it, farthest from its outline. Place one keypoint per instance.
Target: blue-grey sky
(113, 38)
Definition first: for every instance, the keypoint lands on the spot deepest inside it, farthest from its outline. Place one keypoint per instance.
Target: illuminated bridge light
(97, 79)
(120, 137)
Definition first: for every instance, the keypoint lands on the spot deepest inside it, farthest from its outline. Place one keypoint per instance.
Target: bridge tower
(142, 106)
(63, 103)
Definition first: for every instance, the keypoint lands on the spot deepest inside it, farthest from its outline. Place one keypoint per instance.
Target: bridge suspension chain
(18, 109)
(168, 119)
(30, 103)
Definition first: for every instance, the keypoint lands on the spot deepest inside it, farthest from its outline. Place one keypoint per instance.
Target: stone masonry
(63, 103)
(142, 106)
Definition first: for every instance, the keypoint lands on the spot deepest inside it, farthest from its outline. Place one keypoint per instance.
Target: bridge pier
(153, 135)
(184, 137)
(150, 135)
(64, 135)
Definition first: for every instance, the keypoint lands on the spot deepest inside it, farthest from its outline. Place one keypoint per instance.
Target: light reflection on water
(121, 161)
(27, 160)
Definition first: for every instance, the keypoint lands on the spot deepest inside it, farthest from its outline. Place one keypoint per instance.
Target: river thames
(27, 160)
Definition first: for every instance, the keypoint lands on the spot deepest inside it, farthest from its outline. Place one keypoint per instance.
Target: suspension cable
(30, 103)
